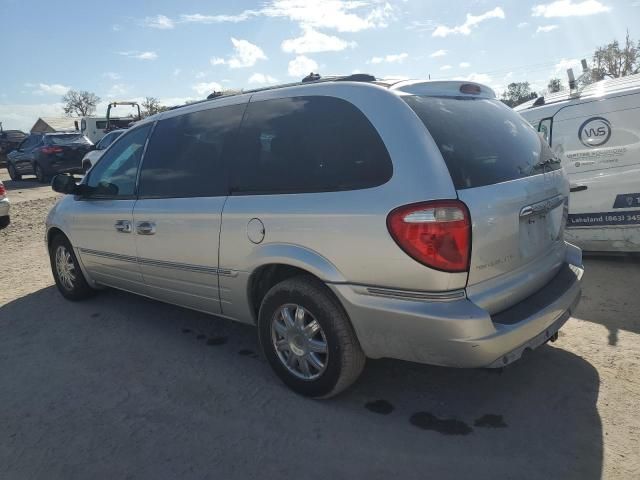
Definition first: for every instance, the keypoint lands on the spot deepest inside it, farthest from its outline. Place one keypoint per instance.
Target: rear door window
(307, 144)
(185, 154)
(482, 141)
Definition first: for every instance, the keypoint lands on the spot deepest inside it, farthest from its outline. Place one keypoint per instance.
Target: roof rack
(311, 78)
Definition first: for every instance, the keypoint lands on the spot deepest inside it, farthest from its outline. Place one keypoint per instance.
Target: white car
(4, 207)
(596, 134)
(94, 155)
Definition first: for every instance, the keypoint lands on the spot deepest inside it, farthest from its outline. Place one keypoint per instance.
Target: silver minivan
(345, 217)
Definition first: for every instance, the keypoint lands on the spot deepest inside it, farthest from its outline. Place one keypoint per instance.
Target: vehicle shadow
(24, 184)
(605, 294)
(120, 385)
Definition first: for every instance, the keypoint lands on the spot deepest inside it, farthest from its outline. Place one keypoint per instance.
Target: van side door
(183, 188)
(599, 143)
(102, 219)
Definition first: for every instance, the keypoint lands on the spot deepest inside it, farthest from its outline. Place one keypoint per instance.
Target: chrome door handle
(146, 228)
(123, 226)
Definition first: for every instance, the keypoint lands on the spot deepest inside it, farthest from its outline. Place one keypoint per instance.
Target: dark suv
(9, 141)
(45, 154)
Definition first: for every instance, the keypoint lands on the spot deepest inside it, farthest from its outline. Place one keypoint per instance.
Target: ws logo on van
(595, 132)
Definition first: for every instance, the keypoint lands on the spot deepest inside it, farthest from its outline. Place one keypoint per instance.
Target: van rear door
(515, 191)
(599, 144)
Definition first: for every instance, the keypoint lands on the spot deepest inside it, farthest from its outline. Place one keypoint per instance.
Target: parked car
(44, 155)
(347, 219)
(596, 133)
(92, 156)
(9, 141)
(4, 207)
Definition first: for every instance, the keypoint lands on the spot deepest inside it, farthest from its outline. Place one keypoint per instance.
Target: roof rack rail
(311, 78)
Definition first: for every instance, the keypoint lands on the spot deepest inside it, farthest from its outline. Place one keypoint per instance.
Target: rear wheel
(13, 174)
(307, 338)
(39, 173)
(66, 270)
(4, 222)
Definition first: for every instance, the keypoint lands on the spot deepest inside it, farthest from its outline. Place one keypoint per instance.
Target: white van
(596, 134)
(93, 128)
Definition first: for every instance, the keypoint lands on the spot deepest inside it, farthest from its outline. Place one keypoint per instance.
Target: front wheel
(13, 173)
(4, 221)
(66, 270)
(308, 339)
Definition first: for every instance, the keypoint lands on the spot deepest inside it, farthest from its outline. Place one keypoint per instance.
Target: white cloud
(23, 116)
(140, 55)
(341, 15)
(464, 65)
(200, 75)
(205, 88)
(439, 53)
(569, 8)
(117, 90)
(446, 67)
(159, 21)
(112, 75)
(471, 21)
(198, 18)
(313, 41)
(394, 58)
(176, 72)
(116, 27)
(476, 77)
(261, 78)
(302, 66)
(523, 24)
(546, 28)
(565, 64)
(46, 89)
(245, 54)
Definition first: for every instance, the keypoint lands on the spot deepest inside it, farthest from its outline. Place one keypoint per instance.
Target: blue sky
(179, 51)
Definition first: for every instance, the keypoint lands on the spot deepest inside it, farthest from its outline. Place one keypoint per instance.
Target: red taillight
(436, 234)
(470, 89)
(49, 150)
(3, 191)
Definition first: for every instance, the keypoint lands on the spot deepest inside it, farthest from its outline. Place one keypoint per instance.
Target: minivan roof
(399, 86)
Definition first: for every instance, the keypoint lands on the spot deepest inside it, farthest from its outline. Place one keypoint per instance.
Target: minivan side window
(114, 176)
(185, 156)
(307, 144)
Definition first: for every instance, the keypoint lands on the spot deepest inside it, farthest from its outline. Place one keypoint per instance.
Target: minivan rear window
(482, 141)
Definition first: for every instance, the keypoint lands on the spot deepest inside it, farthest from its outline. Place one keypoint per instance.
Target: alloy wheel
(299, 341)
(65, 268)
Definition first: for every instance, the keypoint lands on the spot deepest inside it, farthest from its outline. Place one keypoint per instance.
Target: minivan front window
(482, 141)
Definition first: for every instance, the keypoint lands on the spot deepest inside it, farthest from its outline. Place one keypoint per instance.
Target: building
(55, 124)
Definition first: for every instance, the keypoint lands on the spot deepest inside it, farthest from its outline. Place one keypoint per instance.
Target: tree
(611, 61)
(151, 106)
(80, 103)
(517, 93)
(554, 85)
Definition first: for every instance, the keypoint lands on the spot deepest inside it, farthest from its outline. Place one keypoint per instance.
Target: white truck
(93, 128)
(596, 133)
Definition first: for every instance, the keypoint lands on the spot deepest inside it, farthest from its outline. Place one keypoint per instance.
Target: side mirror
(66, 184)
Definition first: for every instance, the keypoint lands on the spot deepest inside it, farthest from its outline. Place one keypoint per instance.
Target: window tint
(115, 174)
(185, 154)
(307, 144)
(31, 142)
(482, 141)
(66, 139)
(101, 124)
(107, 140)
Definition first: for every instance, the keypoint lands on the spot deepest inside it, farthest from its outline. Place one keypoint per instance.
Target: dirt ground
(124, 387)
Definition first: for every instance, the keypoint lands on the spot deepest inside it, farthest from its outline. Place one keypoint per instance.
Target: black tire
(344, 359)
(4, 221)
(13, 174)
(39, 173)
(74, 287)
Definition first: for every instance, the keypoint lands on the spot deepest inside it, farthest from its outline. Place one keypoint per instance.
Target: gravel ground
(124, 387)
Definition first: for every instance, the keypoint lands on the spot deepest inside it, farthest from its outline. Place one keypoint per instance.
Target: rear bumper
(457, 332)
